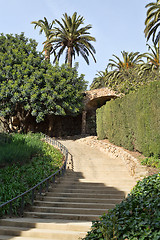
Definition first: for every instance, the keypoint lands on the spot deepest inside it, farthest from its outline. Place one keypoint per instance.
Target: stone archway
(95, 99)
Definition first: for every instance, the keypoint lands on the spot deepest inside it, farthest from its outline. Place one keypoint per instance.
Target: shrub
(136, 218)
(151, 162)
(19, 176)
(19, 147)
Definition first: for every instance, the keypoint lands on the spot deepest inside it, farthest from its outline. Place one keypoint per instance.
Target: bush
(19, 147)
(151, 162)
(133, 122)
(18, 177)
(136, 218)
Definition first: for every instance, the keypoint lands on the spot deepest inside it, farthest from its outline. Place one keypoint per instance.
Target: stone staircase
(65, 212)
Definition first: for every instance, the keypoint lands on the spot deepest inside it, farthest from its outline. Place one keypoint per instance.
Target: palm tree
(152, 21)
(152, 60)
(129, 60)
(153, 57)
(47, 29)
(121, 67)
(99, 80)
(70, 36)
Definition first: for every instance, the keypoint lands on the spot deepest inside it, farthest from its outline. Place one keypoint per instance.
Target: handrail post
(47, 185)
(22, 205)
(53, 179)
(10, 209)
(40, 190)
(32, 199)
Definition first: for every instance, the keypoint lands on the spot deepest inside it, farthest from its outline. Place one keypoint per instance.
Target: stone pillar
(84, 114)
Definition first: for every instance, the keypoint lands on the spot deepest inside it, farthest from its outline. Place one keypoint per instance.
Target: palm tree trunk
(46, 50)
(70, 56)
(47, 55)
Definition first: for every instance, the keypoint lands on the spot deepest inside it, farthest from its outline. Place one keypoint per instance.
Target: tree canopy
(47, 29)
(130, 72)
(30, 86)
(71, 36)
(152, 21)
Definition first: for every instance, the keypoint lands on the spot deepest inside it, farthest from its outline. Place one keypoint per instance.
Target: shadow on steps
(65, 212)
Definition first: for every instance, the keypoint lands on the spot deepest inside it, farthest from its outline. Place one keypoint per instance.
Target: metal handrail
(59, 172)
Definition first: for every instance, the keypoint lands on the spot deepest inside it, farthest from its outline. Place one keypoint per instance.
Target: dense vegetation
(128, 76)
(152, 161)
(32, 87)
(24, 161)
(133, 121)
(136, 218)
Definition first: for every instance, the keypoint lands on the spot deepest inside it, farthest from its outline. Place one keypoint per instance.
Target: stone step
(89, 211)
(107, 181)
(2, 237)
(40, 233)
(101, 176)
(88, 195)
(84, 200)
(7, 237)
(13, 231)
(64, 216)
(87, 190)
(80, 185)
(46, 224)
(74, 204)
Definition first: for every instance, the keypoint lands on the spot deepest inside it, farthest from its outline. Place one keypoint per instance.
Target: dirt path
(97, 166)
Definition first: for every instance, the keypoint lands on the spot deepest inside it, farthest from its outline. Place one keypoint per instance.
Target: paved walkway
(97, 166)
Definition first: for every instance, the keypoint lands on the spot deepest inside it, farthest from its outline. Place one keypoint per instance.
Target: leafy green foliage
(133, 121)
(19, 148)
(31, 86)
(127, 80)
(152, 21)
(99, 80)
(136, 218)
(151, 162)
(131, 72)
(69, 36)
(47, 29)
(23, 172)
(129, 60)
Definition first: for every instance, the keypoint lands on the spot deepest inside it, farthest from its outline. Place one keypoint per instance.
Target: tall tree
(128, 60)
(122, 67)
(31, 87)
(47, 29)
(99, 80)
(70, 36)
(152, 21)
(153, 59)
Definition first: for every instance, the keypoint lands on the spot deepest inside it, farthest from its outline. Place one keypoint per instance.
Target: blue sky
(117, 25)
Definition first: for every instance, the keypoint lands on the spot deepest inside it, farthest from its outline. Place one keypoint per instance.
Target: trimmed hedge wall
(133, 121)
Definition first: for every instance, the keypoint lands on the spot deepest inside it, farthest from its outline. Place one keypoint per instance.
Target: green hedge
(133, 121)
